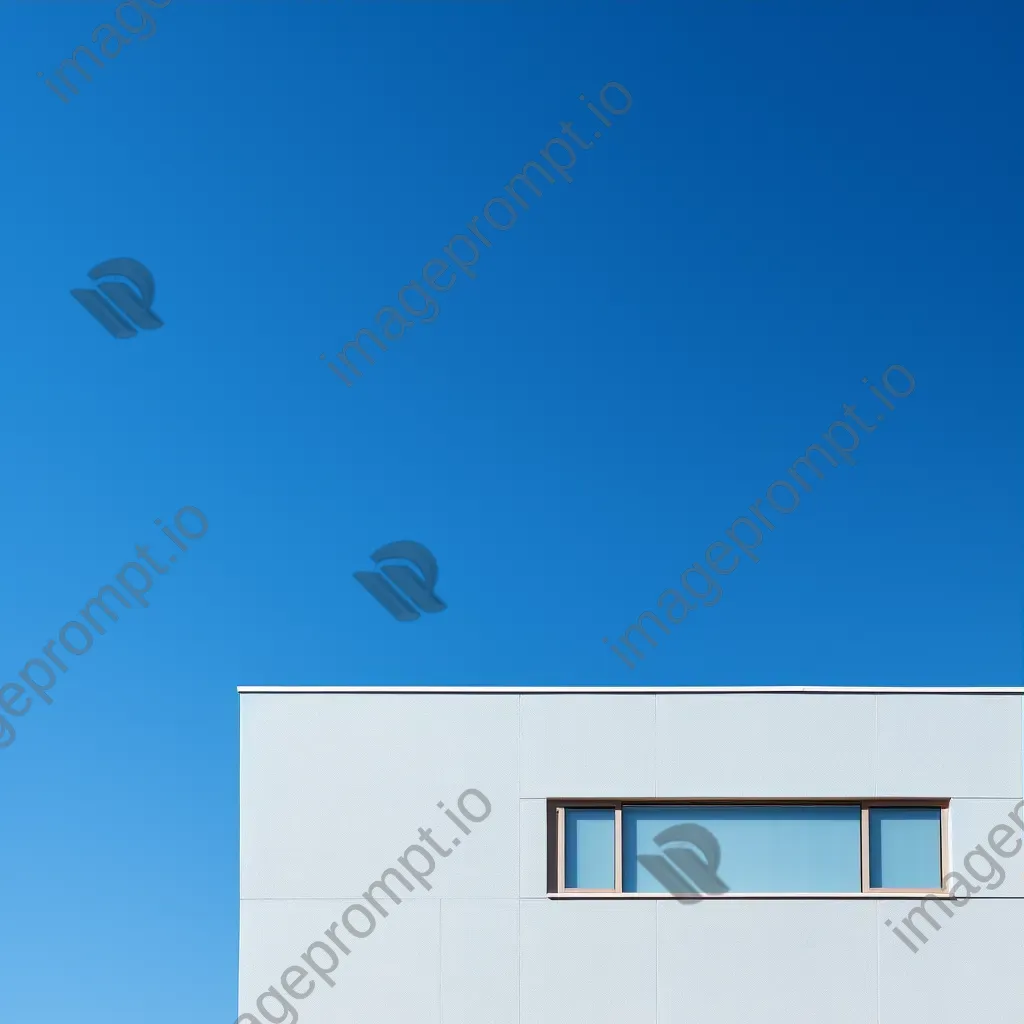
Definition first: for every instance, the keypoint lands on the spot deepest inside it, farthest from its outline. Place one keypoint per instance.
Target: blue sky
(797, 199)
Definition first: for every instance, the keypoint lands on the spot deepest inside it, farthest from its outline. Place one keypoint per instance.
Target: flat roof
(975, 690)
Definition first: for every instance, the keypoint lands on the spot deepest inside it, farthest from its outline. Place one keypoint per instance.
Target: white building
(536, 894)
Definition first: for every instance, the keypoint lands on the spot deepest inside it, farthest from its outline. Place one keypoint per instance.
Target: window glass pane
(904, 847)
(589, 848)
(706, 848)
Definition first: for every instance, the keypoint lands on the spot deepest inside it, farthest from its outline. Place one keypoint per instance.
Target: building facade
(600, 855)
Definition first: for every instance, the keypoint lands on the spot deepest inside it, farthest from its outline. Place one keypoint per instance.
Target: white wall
(334, 787)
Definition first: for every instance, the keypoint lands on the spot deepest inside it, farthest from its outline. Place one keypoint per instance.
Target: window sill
(874, 894)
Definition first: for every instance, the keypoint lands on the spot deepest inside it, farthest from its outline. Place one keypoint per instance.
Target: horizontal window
(786, 847)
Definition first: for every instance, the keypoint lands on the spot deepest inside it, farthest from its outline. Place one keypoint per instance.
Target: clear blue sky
(799, 197)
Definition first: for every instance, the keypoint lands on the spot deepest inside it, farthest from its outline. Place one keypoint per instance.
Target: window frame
(865, 843)
(605, 805)
(556, 845)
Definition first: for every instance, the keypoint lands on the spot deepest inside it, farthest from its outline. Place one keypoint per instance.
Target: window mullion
(560, 830)
(618, 847)
(865, 847)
